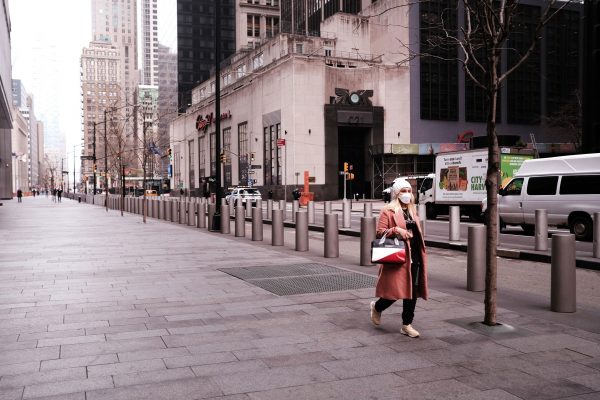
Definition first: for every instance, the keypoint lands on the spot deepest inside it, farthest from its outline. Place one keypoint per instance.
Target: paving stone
(229, 368)
(71, 340)
(125, 367)
(375, 365)
(547, 342)
(152, 376)
(78, 361)
(182, 389)
(15, 369)
(200, 359)
(152, 354)
(11, 394)
(298, 359)
(465, 353)
(245, 382)
(559, 370)
(113, 346)
(550, 356)
(435, 373)
(550, 390)
(67, 387)
(22, 356)
(32, 378)
(592, 381)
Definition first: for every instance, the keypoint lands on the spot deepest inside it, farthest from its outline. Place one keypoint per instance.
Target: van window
(542, 185)
(514, 187)
(426, 185)
(580, 184)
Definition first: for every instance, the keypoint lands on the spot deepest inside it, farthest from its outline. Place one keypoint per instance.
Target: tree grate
(285, 280)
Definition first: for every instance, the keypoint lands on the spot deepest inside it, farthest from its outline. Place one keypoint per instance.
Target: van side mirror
(501, 191)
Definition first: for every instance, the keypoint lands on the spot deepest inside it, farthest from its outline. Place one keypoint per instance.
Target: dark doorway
(353, 143)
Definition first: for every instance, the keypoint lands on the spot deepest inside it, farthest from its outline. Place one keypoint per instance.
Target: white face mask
(405, 198)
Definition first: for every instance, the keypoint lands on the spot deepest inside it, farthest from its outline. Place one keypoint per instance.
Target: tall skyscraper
(196, 42)
(149, 42)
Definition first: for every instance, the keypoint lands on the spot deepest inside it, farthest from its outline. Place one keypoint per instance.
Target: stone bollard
(283, 206)
(327, 209)
(295, 208)
(454, 224)
(541, 230)
(301, 231)
(311, 212)
(257, 224)
(368, 210)
(201, 210)
(269, 208)
(277, 228)
(331, 236)
(212, 209)
(346, 213)
(422, 213)
(240, 222)
(596, 234)
(563, 282)
(367, 235)
(476, 258)
(225, 220)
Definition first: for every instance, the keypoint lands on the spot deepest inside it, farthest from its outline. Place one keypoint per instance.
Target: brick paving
(98, 306)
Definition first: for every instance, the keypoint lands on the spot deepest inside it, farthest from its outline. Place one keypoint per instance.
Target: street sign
(256, 166)
(87, 157)
(280, 142)
(251, 172)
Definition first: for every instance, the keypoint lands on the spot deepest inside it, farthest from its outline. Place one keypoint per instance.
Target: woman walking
(406, 281)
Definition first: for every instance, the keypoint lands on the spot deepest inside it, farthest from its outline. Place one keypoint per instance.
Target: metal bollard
(232, 207)
(225, 220)
(476, 258)
(212, 209)
(454, 224)
(201, 210)
(191, 213)
(541, 230)
(311, 212)
(301, 231)
(368, 210)
(422, 213)
(269, 208)
(346, 213)
(327, 208)
(182, 207)
(257, 224)
(175, 211)
(248, 208)
(295, 208)
(223, 201)
(596, 233)
(277, 228)
(367, 235)
(240, 222)
(562, 284)
(259, 206)
(283, 207)
(331, 236)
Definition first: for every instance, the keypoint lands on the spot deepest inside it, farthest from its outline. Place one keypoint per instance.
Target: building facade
(20, 152)
(308, 104)
(6, 108)
(149, 9)
(23, 102)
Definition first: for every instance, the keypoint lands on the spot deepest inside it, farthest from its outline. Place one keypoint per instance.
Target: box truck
(459, 180)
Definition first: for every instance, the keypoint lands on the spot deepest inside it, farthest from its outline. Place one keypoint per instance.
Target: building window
(272, 24)
(257, 61)
(192, 167)
(227, 151)
(243, 153)
(213, 166)
(439, 72)
(272, 155)
(201, 156)
(241, 70)
(253, 28)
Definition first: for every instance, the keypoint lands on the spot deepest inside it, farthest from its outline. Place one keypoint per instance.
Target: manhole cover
(284, 280)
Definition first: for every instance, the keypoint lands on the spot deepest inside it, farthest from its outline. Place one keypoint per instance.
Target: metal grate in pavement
(285, 280)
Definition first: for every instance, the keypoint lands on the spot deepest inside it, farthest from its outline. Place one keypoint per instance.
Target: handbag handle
(384, 236)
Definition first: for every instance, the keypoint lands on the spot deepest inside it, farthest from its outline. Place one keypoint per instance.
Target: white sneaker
(409, 331)
(375, 316)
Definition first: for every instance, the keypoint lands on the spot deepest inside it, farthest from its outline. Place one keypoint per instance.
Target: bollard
(232, 207)
(277, 228)
(257, 224)
(327, 208)
(422, 213)
(191, 213)
(368, 210)
(212, 209)
(283, 207)
(269, 208)
(454, 224)
(201, 220)
(174, 211)
(301, 230)
(346, 213)
(240, 222)
(248, 208)
(476, 258)
(331, 237)
(596, 233)
(367, 235)
(541, 230)
(223, 201)
(182, 207)
(562, 284)
(295, 208)
(311, 212)
(259, 206)
(225, 220)
(167, 210)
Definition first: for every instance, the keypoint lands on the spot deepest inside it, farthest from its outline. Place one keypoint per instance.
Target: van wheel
(528, 229)
(581, 226)
(430, 211)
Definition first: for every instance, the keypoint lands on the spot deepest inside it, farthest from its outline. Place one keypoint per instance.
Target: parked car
(244, 193)
(150, 192)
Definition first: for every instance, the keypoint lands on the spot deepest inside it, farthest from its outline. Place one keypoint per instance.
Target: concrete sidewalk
(98, 306)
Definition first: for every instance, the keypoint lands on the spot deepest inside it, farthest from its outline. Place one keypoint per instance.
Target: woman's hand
(402, 233)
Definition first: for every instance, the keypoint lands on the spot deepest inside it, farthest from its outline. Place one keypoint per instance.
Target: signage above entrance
(356, 98)
(203, 122)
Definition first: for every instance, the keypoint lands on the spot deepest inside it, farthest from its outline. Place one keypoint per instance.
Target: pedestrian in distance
(59, 194)
(19, 196)
(407, 281)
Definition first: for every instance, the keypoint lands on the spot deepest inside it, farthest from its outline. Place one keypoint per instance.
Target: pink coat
(395, 281)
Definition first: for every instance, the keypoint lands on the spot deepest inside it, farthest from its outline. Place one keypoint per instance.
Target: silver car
(244, 193)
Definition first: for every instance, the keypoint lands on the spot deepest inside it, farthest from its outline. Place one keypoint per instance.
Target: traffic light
(252, 156)
(170, 153)
(95, 168)
(223, 157)
(345, 167)
(350, 176)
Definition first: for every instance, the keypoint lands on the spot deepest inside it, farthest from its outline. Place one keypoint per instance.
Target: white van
(567, 187)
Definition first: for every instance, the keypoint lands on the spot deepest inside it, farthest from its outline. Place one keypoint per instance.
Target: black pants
(408, 307)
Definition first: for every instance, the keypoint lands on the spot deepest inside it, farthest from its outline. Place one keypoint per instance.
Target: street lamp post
(217, 216)
(105, 165)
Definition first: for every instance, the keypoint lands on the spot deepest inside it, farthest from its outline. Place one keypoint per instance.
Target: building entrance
(353, 145)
